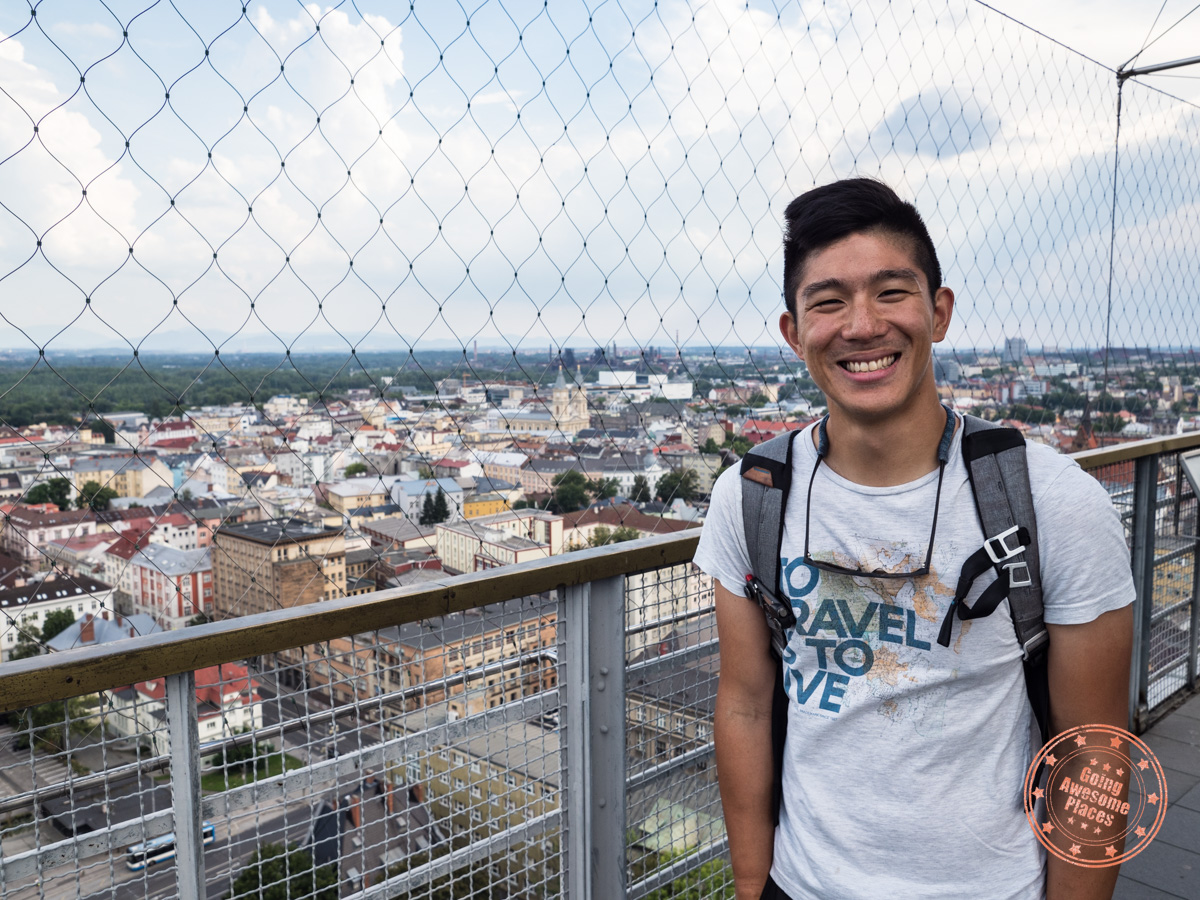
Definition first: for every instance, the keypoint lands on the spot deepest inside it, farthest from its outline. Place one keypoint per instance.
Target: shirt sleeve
(722, 551)
(1084, 558)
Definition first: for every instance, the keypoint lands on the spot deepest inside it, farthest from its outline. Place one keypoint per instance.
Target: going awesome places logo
(1104, 799)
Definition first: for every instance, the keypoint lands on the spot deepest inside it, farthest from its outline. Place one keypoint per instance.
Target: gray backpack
(999, 476)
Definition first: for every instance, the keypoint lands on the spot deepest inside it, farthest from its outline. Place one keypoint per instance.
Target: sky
(316, 177)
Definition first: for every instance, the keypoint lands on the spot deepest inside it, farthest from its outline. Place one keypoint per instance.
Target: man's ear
(943, 312)
(791, 334)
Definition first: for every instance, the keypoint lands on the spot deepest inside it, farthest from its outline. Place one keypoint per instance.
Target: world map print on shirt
(867, 641)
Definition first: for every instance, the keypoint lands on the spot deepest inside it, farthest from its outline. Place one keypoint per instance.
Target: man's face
(865, 325)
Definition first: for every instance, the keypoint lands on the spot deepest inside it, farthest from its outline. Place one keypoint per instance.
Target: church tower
(560, 401)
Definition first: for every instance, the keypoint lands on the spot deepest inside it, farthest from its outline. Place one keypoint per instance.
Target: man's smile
(869, 365)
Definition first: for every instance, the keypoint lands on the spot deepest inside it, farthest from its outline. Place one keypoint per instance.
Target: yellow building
(483, 505)
(128, 475)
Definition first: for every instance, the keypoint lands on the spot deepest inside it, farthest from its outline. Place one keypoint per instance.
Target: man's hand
(742, 734)
(1089, 685)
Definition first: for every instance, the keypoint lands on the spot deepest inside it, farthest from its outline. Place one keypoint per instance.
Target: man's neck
(888, 452)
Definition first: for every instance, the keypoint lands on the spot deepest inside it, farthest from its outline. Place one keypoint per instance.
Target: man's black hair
(823, 216)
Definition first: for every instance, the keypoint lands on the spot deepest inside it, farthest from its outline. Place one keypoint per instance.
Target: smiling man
(905, 757)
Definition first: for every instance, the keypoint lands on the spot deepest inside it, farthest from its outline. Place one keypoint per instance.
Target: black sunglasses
(834, 568)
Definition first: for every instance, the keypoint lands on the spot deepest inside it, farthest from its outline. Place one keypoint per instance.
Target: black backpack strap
(999, 474)
(766, 480)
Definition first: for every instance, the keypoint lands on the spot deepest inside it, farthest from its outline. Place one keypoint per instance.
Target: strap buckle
(1004, 552)
(1015, 579)
(1035, 644)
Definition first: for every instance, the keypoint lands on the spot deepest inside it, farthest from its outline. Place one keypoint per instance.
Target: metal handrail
(87, 670)
(1105, 456)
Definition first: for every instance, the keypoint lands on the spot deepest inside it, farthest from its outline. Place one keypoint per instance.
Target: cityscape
(120, 524)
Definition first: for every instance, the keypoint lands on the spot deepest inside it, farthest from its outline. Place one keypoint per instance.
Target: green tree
(355, 468)
(427, 511)
(681, 484)
(94, 496)
(1109, 423)
(739, 445)
(758, 399)
(29, 642)
(640, 492)
(244, 756)
(601, 535)
(570, 491)
(201, 619)
(45, 724)
(56, 491)
(56, 622)
(603, 488)
(469, 881)
(712, 880)
(711, 446)
(276, 873)
(441, 509)
(425, 472)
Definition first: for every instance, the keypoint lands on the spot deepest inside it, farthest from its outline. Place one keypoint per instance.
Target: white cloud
(641, 186)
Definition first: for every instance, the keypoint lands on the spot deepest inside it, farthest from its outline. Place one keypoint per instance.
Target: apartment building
(478, 659)
(410, 495)
(171, 586)
(278, 563)
(502, 539)
(29, 604)
(495, 781)
(127, 474)
(227, 702)
(359, 493)
(26, 531)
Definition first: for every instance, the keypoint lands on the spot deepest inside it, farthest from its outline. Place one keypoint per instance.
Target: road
(237, 837)
(102, 877)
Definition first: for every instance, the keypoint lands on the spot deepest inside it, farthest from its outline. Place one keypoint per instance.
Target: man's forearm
(1065, 881)
(745, 772)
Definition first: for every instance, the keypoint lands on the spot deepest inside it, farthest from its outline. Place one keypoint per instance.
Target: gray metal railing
(577, 763)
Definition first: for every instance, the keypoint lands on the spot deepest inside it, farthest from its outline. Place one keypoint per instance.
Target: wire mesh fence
(420, 760)
(303, 302)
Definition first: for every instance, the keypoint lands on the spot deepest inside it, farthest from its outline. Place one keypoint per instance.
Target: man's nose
(863, 321)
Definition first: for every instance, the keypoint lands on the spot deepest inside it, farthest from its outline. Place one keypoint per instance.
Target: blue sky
(572, 174)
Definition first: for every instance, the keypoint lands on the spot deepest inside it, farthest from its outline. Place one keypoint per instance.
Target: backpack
(999, 477)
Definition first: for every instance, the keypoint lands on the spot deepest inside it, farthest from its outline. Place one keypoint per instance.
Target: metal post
(592, 619)
(576, 801)
(1194, 629)
(183, 731)
(1145, 497)
(1178, 495)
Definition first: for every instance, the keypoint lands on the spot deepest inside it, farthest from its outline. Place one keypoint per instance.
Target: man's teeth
(871, 366)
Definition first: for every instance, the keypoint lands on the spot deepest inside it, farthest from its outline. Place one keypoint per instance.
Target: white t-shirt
(904, 759)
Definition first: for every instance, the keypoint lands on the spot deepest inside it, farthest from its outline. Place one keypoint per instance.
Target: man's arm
(742, 733)
(1089, 685)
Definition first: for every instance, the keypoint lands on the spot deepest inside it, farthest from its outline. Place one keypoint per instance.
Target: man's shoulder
(1049, 469)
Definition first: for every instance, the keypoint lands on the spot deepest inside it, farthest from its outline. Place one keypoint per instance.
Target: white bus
(160, 849)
